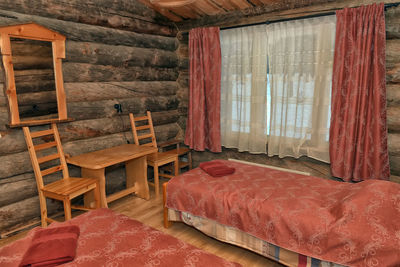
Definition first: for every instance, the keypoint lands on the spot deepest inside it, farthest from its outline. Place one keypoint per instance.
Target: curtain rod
(328, 13)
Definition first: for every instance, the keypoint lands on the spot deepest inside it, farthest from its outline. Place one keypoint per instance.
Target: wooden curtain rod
(321, 13)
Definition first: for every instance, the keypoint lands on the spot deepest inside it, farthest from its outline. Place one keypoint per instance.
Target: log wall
(393, 99)
(115, 54)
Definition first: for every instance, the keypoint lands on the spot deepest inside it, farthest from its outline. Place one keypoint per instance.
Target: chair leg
(97, 195)
(176, 165)
(43, 209)
(190, 160)
(156, 180)
(67, 209)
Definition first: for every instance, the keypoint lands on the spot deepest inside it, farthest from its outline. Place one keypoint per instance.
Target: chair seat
(180, 151)
(70, 186)
(161, 157)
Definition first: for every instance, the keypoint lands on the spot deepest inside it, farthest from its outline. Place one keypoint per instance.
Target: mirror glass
(34, 79)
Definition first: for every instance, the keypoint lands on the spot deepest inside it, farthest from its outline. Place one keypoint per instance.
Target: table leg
(89, 196)
(136, 175)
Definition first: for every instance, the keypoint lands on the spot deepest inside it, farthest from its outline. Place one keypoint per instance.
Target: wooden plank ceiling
(180, 10)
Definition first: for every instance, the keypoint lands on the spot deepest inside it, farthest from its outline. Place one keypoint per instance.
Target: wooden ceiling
(180, 10)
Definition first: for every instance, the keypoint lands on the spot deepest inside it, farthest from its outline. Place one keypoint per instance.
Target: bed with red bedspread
(111, 239)
(349, 224)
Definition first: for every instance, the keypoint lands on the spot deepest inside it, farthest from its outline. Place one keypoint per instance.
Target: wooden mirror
(35, 54)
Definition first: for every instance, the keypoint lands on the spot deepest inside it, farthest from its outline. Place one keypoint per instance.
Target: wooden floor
(151, 213)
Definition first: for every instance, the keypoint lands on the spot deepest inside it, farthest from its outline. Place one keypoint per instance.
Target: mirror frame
(32, 31)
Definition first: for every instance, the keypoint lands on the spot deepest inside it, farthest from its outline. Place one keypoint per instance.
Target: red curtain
(203, 123)
(358, 132)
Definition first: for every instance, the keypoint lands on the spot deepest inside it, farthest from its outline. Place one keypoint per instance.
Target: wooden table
(93, 165)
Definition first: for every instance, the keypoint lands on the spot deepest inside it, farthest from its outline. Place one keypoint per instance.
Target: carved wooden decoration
(32, 31)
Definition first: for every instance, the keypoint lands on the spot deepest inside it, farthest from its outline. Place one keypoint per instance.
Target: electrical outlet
(118, 107)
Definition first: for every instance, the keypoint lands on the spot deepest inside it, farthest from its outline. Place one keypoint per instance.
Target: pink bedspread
(350, 224)
(111, 239)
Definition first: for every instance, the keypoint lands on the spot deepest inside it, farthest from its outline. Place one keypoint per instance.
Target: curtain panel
(358, 132)
(244, 89)
(300, 60)
(203, 123)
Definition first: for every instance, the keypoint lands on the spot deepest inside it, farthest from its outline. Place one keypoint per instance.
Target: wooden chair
(155, 160)
(63, 189)
(184, 153)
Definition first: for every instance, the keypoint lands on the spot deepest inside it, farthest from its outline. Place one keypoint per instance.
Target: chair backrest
(146, 126)
(55, 142)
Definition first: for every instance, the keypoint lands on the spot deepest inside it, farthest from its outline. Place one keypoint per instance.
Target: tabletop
(106, 157)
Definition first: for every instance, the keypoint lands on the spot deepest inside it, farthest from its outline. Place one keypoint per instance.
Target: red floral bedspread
(111, 239)
(350, 224)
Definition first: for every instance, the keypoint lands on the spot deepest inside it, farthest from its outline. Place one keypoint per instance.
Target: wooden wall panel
(115, 54)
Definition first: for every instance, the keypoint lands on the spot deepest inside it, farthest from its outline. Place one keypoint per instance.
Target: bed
(111, 239)
(296, 219)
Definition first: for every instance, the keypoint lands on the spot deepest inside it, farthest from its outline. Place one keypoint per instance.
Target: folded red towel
(216, 169)
(52, 246)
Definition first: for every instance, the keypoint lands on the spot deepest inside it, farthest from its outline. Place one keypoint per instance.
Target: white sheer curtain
(300, 58)
(244, 88)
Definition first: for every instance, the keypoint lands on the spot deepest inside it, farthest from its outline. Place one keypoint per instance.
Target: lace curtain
(300, 59)
(275, 87)
(244, 89)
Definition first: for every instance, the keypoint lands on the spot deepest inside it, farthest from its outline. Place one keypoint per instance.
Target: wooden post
(167, 223)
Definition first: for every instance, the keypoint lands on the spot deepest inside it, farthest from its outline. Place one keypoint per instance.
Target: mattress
(239, 238)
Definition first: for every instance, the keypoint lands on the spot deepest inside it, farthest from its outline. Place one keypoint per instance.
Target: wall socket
(118, 107)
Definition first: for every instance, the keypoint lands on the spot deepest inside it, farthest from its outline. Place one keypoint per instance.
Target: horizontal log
(183, 79)
(394, 144)
(35, 86)
(183, 50)
(18, 189)
(19, 163)
(392, 51)
(24, 191)
(183, 37)
(393, 72)
(33, 75)
(393, 118)
(93, 13)
(105, 108)
(103, 54)
(393, 94)
(12, 140)
(31, 62)
(93, 91)
(4, 119)
(105, 126)
(84, 92)
(26, 47)
(83, 72)
(24, 186)
(90, 33)
(36, 110)
(36, 98)
(392, 21)
(163, 133)
(23, 211)
(15, 164)
(394, 165)
(183, 63)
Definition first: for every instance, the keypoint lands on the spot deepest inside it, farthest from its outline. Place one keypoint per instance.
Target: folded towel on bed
(216, 168)
(52, 246)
